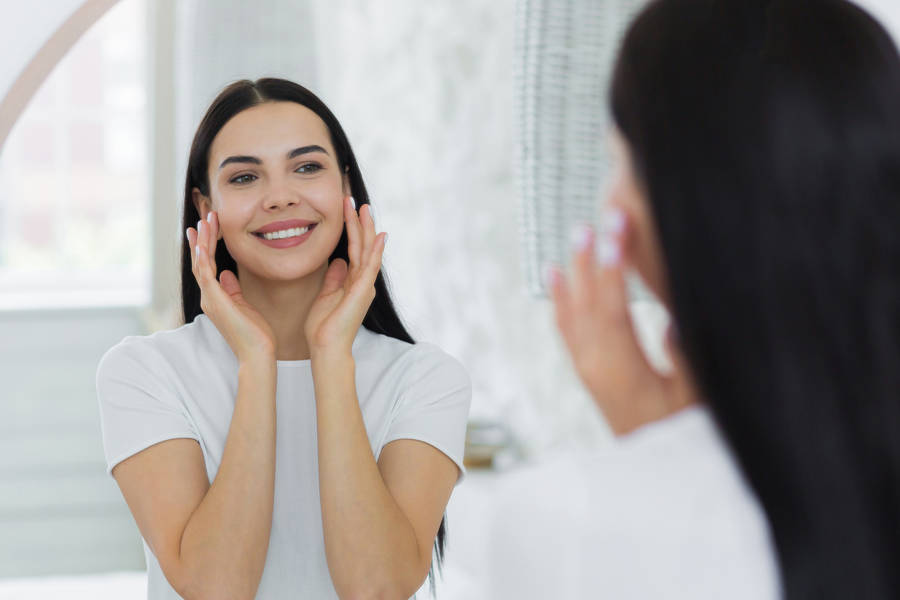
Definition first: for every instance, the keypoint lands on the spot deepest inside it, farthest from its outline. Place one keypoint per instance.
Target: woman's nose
(280, 195)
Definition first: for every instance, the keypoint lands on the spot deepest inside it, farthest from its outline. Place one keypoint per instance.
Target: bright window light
(74, 198)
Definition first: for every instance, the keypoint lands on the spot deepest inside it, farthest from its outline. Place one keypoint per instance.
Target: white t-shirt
(664, 513)
(183, 384)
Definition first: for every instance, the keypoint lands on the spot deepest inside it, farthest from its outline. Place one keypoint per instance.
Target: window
(74, 198)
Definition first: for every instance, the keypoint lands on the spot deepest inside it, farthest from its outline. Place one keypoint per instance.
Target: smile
(284, 233)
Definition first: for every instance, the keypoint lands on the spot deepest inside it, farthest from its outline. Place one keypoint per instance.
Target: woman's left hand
(347, 292)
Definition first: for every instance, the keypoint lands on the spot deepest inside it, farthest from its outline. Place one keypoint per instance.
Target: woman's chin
(278, 276)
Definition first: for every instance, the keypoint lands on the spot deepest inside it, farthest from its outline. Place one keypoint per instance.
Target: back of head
(767, 136)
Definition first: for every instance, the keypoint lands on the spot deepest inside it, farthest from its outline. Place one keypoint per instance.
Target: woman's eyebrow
(305, 150)
(240, 159)
(255, 161)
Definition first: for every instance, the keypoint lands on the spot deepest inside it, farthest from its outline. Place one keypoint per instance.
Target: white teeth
(286, 233)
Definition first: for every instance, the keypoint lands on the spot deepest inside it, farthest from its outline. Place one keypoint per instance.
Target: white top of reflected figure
(183, 383)
(663, 513)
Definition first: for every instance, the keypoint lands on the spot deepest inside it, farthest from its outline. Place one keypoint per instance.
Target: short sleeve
(138, 407)
(433, 403)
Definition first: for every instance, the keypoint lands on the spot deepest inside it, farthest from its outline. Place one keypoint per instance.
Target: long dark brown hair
(767, 136)
(381, 317)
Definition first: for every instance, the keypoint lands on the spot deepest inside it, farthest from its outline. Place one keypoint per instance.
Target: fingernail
(209, 217)
(608, 252)
(614, 220)
(197, 251)
(581, 237)
(199, 225)
(353, 202)
(186, 231)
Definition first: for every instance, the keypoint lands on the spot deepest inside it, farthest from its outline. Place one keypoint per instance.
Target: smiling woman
(290, 440)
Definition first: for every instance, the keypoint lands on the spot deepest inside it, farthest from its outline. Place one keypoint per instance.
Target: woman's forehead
(270, 130)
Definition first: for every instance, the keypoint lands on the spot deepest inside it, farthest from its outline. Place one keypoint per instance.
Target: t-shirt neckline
(287, 363)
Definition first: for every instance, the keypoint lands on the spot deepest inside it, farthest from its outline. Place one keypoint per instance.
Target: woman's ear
(201, 203)
(345, 182)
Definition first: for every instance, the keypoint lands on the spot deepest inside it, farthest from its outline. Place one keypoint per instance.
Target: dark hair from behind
(767, 137)
(381, 317)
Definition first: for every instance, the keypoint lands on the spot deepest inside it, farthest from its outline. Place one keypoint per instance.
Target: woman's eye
(309, 168)
(245, 178)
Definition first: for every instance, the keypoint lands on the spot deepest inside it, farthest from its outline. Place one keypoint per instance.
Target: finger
(200, 251)
(230, 283)
(354, 238)
(191, 234)
(364, 281)
(606, 281)
(376, 256)
(334, 277)
(611, 293)
(583, 268)
(193, 237)
(212, 218)
(368, 228)
(206, 264)
(372, 249)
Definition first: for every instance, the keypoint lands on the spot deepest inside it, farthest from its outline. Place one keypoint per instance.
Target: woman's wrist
(331, 360)
(330, 355)
(256, 360)
(330, 352)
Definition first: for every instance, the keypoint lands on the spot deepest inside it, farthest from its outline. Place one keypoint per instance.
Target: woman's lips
(287, 242)
(282, 225)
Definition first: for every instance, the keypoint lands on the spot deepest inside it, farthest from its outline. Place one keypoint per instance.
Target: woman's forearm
(224, 545)
(370, 545)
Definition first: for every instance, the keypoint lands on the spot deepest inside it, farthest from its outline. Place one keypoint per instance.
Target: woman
(759, 198)
(290, 440)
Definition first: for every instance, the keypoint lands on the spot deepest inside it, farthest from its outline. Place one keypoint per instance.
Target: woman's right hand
(243, 327)
(593, 316)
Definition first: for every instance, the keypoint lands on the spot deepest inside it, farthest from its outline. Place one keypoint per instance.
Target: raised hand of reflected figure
(593, 317)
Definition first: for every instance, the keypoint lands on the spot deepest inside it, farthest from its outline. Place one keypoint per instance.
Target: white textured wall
(220, 41)
(424, 90)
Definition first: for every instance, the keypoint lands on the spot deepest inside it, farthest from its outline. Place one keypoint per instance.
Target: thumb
(230, 283)
(334, 277)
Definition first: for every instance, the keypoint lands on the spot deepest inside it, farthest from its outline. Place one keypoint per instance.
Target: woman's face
(276, 185)
(641, 248)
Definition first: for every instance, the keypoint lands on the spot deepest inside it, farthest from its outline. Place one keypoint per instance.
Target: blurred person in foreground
(758, 196)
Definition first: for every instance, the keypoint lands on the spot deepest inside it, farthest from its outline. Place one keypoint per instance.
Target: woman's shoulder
(668, 498)
(681, 458)
(414, 360)
(151, 352)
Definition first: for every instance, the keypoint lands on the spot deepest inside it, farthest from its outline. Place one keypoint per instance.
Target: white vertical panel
(59, 510)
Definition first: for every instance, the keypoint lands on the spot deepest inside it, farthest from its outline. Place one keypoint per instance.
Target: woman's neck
(285, 306)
